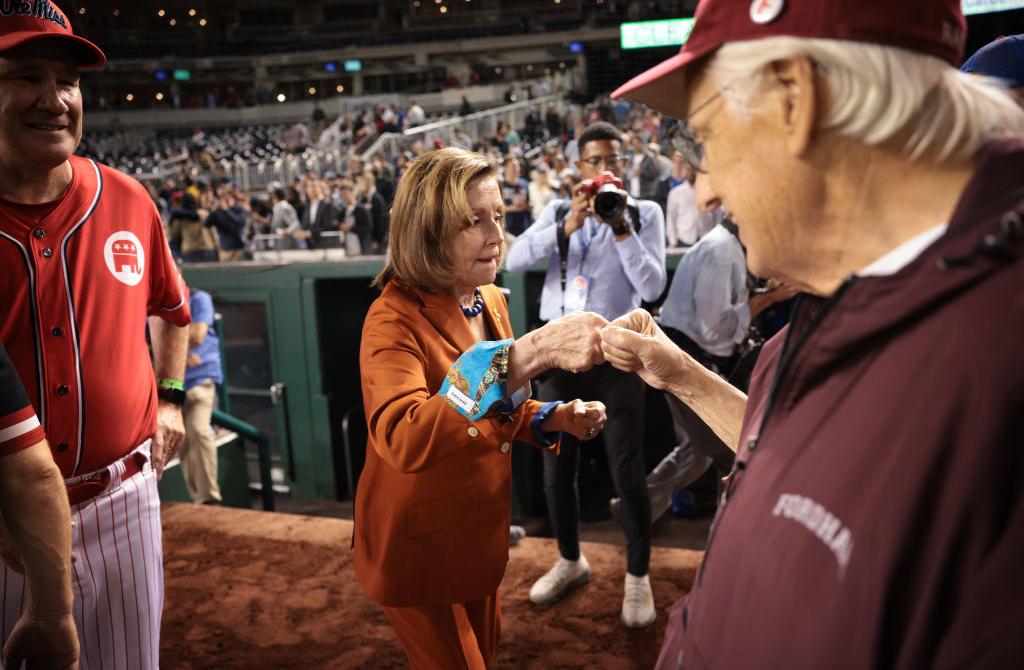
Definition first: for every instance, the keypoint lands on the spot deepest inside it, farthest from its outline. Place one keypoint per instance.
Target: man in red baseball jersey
(35, 509)
(83, 262)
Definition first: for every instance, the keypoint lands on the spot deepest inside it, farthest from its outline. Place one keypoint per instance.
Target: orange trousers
(463, 636)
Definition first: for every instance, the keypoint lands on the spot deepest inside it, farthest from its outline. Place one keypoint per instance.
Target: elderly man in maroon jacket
(875, 515)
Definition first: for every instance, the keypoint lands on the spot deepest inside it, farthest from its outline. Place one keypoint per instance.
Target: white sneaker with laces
(638, 602)
(559, 580)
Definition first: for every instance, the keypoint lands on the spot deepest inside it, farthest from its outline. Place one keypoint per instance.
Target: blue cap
(1002, 59)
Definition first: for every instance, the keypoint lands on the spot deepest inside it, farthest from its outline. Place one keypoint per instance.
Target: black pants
(623, 395)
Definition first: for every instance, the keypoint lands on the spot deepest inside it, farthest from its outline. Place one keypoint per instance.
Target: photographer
(230, 219)
(605, 254)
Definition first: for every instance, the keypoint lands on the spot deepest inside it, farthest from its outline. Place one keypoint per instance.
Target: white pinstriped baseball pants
(118, 579)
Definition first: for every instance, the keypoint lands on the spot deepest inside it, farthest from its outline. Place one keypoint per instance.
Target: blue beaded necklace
(478, 305)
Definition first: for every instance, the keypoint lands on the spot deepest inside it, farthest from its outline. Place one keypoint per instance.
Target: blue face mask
(475, 386)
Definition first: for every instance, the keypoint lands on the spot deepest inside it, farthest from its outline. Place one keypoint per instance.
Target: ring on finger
(590, 431)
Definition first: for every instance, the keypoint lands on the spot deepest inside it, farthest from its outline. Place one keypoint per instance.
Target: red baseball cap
(934, 27)
(29, 20)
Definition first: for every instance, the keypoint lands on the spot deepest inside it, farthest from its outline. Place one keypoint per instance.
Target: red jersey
(19, 427)
(77, 279)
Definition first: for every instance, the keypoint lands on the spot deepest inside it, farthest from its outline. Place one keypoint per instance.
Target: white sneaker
(638, 602)
(515, 533)
(559, 580)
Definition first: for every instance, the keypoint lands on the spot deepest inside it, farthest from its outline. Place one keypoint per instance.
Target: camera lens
(609, 203)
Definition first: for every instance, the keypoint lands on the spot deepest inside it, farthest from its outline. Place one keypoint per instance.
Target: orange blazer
(433, 503)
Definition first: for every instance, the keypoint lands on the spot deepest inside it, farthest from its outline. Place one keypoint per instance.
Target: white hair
(880, 93)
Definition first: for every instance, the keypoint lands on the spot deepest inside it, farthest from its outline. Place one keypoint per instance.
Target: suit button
(47, 252)
(62, 390)
(473, 432)
(63, 446)
(57, 332)
(505, 447)
(39, 232)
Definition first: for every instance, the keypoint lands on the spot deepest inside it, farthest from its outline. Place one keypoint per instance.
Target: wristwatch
(176, 396)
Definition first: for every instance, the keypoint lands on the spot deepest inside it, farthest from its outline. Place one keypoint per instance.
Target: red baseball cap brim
(87, 55)
(662, 87)
(935, 27)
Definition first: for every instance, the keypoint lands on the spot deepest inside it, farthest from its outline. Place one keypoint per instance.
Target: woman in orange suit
(443, 387)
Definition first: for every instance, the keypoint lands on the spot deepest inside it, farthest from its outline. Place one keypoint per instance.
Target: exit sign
(646, 34)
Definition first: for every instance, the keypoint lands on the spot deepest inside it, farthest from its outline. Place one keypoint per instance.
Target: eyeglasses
(683, 139)
(607, 161)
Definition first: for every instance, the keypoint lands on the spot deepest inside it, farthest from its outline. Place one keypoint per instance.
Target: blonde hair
(878, 94)
(431, 207)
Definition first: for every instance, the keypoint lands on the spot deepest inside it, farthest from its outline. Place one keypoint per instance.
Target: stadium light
(160, 13)
(202, 22)
(990, 6)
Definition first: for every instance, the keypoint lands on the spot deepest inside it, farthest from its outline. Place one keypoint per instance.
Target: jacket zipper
(788, 354)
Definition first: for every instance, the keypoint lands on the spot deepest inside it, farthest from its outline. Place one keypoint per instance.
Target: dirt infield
(254, 590)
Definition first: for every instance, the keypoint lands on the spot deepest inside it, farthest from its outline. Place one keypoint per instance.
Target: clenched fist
(635, 343)
(582, 420)
(571, 343)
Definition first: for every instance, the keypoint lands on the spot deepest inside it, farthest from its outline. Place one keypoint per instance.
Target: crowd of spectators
(211, 218)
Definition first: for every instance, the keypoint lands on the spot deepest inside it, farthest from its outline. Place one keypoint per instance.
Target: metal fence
(257, 175)
(477, 126)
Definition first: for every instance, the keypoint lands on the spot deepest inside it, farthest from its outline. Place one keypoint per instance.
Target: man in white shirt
(684, 222)
(415, 116)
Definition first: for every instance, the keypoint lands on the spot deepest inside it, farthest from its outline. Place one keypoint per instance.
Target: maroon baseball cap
(934, 27)
(29, 20)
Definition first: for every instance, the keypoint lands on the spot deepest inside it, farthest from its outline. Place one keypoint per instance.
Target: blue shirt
(708, 297)
(620, 274)
(209, 349)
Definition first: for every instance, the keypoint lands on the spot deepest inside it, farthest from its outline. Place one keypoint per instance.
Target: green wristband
(175, 384)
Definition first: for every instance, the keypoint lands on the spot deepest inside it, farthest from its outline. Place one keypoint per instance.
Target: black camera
(609, 197)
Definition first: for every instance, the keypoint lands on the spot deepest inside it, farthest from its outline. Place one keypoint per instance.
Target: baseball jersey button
(505, 447)
(57, 332)
(473, 432)
(62, 390)
(47, 252)
(39, 232)
(63, 446)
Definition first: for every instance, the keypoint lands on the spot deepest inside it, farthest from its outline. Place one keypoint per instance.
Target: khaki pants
(198, 453)
(232, 255)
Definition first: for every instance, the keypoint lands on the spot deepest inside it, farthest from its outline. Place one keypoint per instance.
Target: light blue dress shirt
(620, 274)
(708, 297)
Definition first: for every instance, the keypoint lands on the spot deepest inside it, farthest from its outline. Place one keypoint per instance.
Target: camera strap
(563, 240)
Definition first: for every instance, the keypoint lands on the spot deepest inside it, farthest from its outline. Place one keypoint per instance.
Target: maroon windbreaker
(875, 517)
